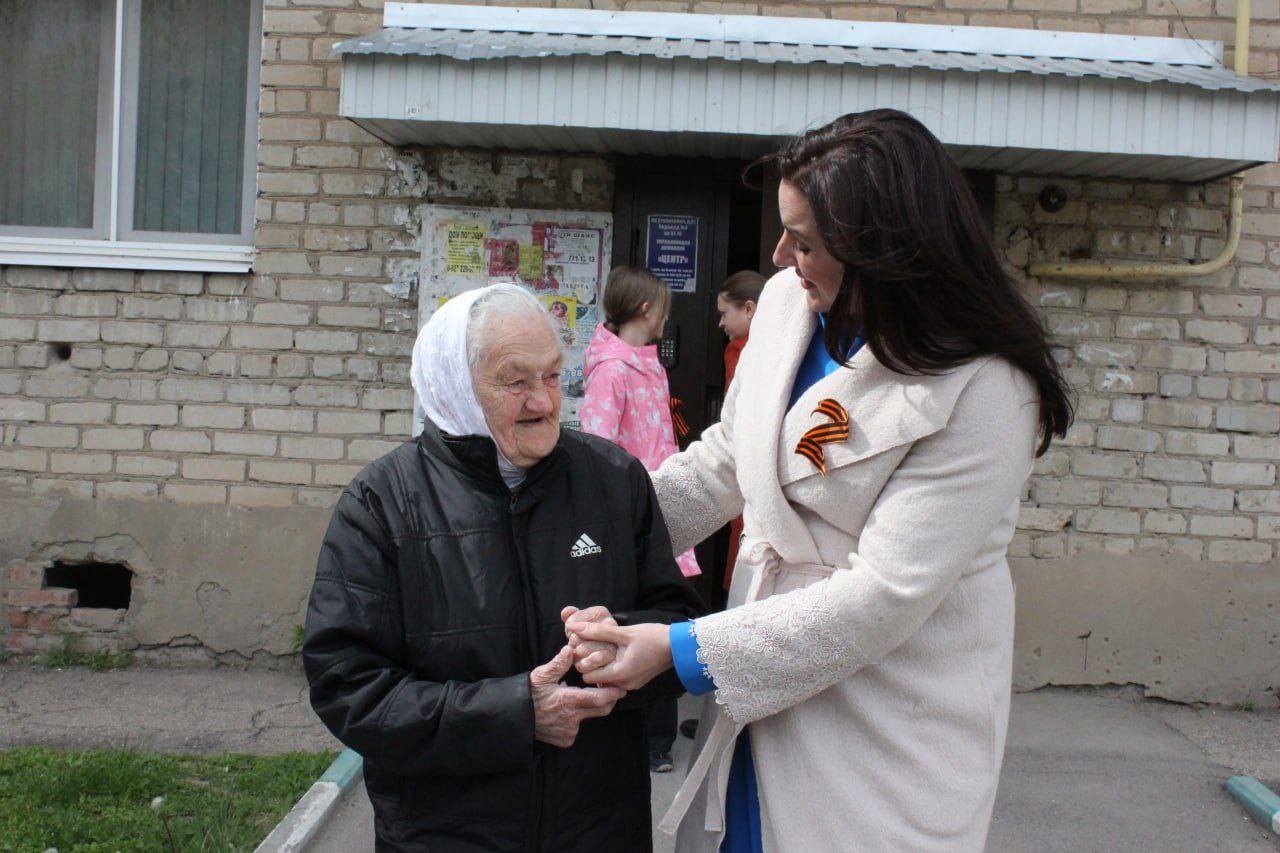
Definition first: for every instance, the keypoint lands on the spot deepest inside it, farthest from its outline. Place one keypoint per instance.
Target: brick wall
(271, 390)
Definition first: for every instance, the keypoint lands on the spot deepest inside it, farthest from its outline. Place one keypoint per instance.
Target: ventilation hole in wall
(104, 585)
(60, 352)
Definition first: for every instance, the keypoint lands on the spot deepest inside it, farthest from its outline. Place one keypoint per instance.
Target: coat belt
(717, 750)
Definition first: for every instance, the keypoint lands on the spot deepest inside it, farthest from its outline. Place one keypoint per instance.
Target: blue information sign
(672, 251)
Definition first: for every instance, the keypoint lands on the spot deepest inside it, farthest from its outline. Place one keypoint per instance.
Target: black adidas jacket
(437, 591)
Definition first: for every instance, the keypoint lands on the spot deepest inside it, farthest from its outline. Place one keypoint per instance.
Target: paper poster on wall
(561, 256)
(671, 251)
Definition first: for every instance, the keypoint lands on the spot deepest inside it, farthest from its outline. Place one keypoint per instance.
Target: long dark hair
(921, 280)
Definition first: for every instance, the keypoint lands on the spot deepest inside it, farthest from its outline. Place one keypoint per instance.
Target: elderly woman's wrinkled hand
(558, 709)
(643, 653)
(591, 655)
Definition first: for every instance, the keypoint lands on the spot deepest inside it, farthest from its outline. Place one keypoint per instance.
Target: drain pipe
(1235, 215)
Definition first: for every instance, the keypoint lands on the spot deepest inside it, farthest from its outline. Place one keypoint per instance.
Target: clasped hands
(611, 658)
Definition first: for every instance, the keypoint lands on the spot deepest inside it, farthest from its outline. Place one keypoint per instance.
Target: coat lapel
(886, 409)
(780, 335)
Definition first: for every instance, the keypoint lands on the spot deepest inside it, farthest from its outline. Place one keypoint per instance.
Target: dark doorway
(104, 585)
(728, 228)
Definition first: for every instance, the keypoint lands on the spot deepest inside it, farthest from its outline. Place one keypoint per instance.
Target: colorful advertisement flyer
(672, 251)
(464, 251)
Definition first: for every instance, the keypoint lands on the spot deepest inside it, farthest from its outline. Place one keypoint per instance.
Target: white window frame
(101, 245)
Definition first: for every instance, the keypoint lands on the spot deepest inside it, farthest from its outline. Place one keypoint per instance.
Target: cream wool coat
(874, 672)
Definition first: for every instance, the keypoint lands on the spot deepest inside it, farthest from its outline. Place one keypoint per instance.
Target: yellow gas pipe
(1235, 215)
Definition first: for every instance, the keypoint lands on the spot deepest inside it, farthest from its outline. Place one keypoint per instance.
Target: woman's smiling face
(802, 248)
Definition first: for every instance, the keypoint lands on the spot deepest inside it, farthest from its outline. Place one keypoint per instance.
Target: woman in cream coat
(867, 650)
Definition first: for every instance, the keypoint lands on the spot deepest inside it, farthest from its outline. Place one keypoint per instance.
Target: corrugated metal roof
(474, 45)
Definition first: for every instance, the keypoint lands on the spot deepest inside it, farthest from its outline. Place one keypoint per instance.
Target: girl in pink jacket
(627, 401)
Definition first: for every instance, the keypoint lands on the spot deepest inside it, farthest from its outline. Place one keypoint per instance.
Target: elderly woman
(884, 417)
(434, 643)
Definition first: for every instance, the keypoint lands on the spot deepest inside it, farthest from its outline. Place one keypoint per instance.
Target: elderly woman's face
(517, 382)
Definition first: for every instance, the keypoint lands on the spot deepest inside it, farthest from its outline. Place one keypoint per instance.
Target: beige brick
(227, 284)
(158, 415)
(343, 130)
(290, 211)
(311, 290)
(122, 281)
(1105, 298)
(332, 396)
(293, 76)
(1042, 518)
(349, 422)
(153, 359)
(182, 283)
(254, 365)
(137, 390)
(1199, 497)
(1107, 521)
(262, 337)
(327, 367)
(1196, 443)
(37, 277)
(125, 490)
(1247, 389)
(1230, 305)
(144, 334)
(368, 318)
(1147, 328)
(282, 313)
(1243, 473)
(244, 444)
(221, 364)
(218, 417)
(280, 472)
(113, 439)
(387, 398)
(68, 331)
(1173, 470)
(1168, 413)
(1254, 447)
(335, 239)
(401, 423)
(261, 496)
(1168, 523)
(336, 475)
(1266, 500)
(313, 341)
(260, 395)
(54, 386)
(180, 441)
(1135, 495)
(1168, 301)
(1186, 358)
(1248, 419)
(1269, 527)
(360, 23)
(145, 466)
(1253, 362)
(1126, 381)
(195, 493)
(1216, 332)
(26, 460)
(1236, 551)
(22, 410)
(217, 310)
(283, 420)
(197, 336)
(1266, 335)
(342, 265)
(86, 305)
(48, 436)
(368, 450)
(17, 330)
(282, 263)
(1066, 491)
(88, 413)
(151, 308)
(213, 469)
(18, 302)
(328, 156)
(311, 448)
(196, 390)
(80, 463)
(1220, 526)
(1128, 438)
(288, 183)
(1176, 385)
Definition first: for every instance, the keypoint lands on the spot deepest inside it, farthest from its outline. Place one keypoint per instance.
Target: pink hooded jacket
(627, 401)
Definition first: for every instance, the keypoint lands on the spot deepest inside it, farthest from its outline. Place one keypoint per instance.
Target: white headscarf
(441, 376)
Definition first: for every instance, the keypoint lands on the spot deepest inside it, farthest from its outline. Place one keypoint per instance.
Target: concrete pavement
(1084, 769)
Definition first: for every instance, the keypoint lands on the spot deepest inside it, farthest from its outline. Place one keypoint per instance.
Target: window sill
(174, 257)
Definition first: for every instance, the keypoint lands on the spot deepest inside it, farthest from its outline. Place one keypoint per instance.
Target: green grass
(101, 800)
(97, 661)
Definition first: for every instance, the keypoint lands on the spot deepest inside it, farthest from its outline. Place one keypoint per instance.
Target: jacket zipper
(533, 830)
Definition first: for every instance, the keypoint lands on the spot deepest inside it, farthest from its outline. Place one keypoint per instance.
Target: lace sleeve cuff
(684, 652)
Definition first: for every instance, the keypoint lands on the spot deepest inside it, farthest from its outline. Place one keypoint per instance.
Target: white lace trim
(769, 655)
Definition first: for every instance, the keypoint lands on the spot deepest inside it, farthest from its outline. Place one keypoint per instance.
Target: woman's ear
(749, 307)
(644, 308)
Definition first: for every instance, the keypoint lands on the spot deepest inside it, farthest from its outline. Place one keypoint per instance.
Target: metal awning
(1013, 101)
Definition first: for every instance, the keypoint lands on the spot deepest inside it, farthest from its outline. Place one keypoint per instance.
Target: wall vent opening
(102, 585)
